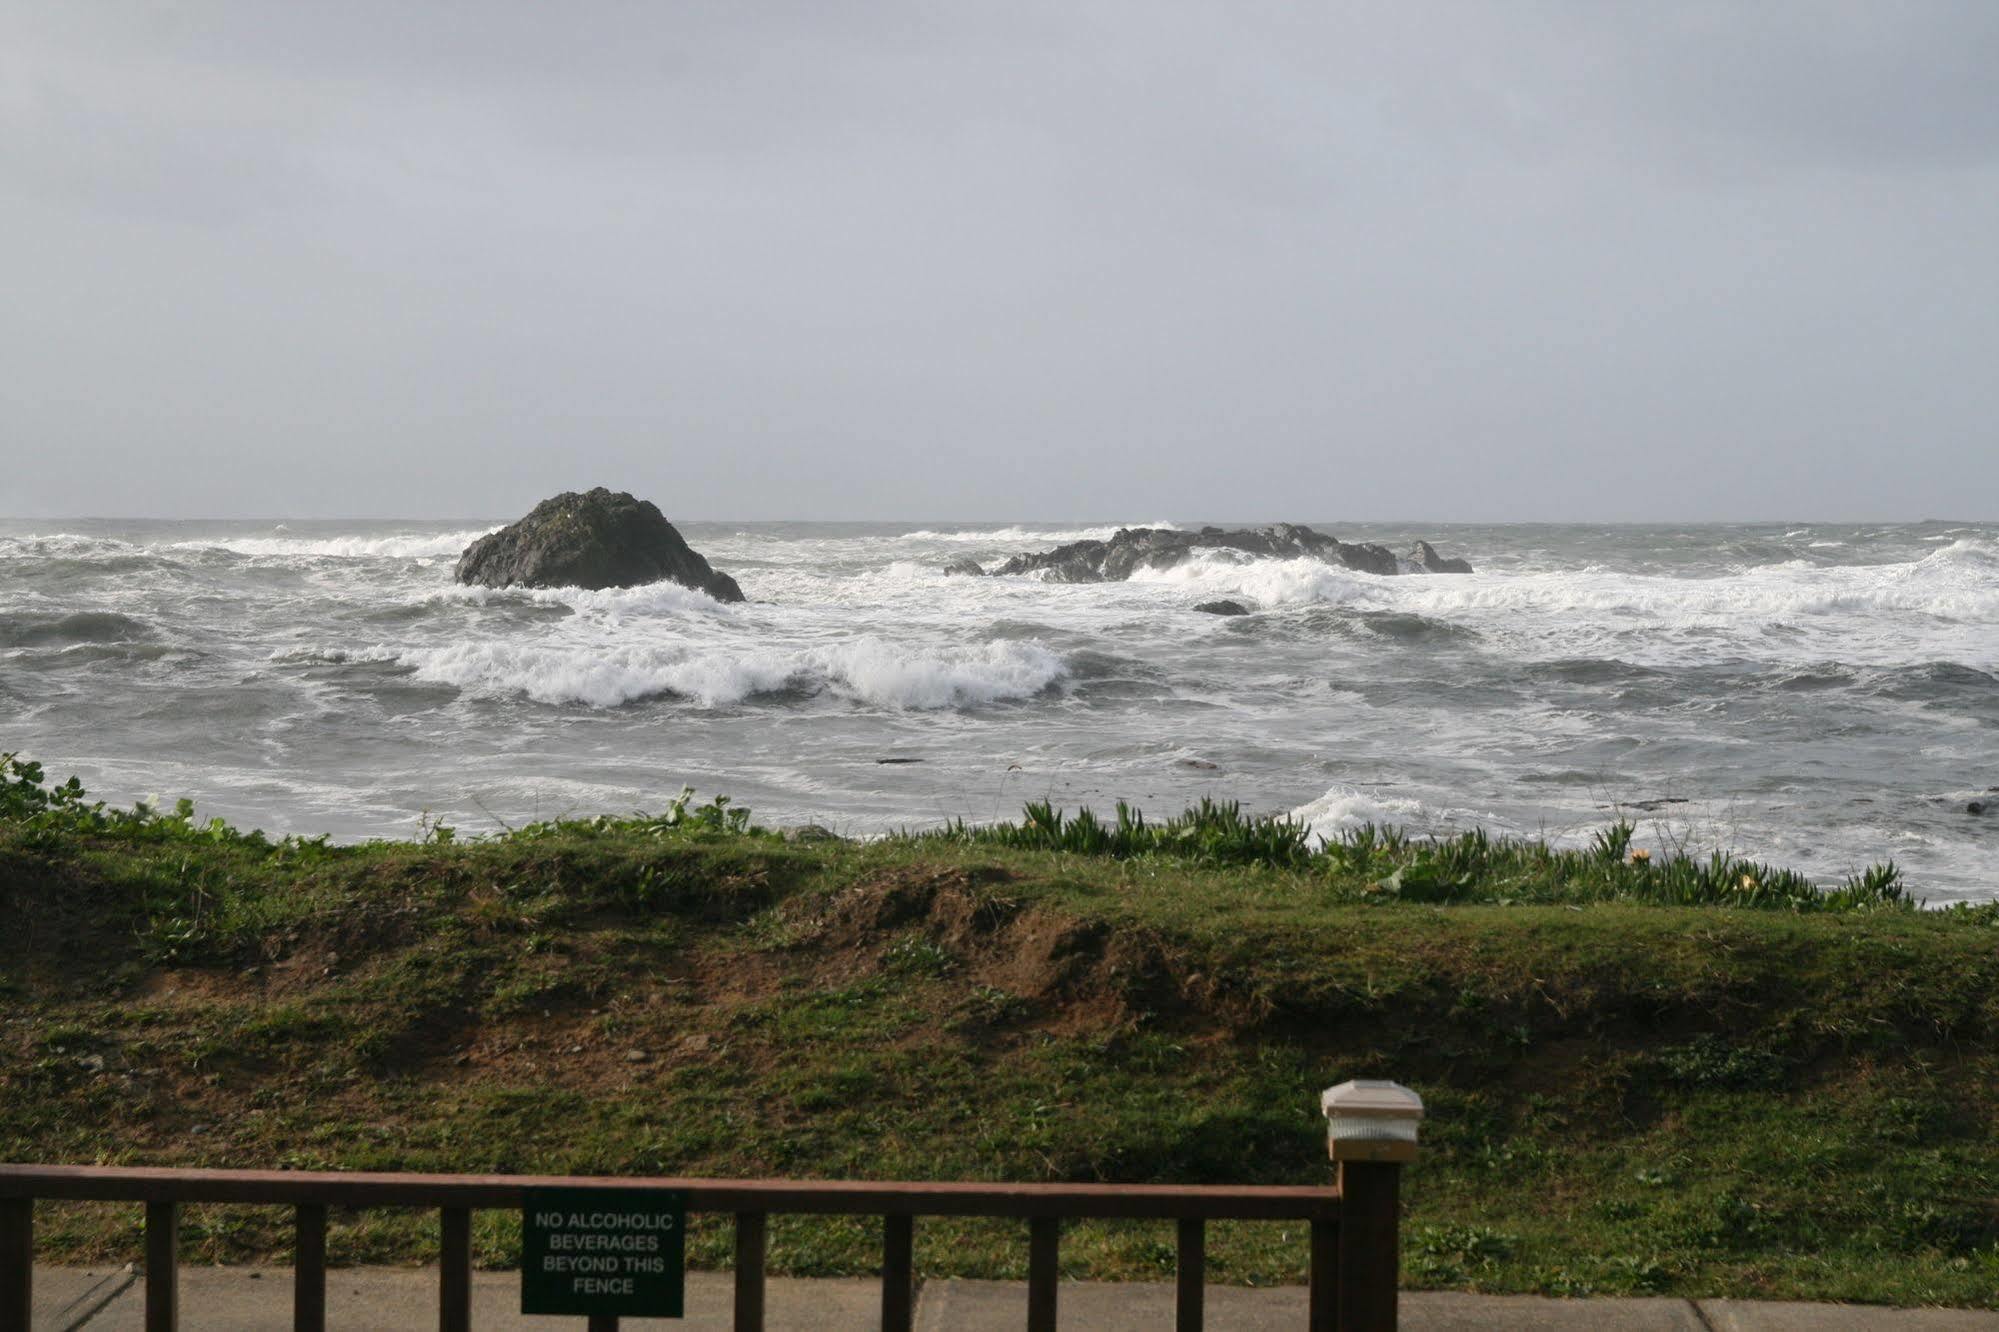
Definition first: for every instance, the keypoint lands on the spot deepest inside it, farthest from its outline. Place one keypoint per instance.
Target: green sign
(604, 1251)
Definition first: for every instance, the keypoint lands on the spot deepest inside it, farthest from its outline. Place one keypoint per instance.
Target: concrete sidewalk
(237, 1299)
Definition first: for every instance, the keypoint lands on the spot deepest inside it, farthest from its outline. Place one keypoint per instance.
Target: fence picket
(454, 1269)
(1191, 1276)
(17, 1261)
(162, 1266)
(898, 1273)
(1044, 1251)
(309, 1268)
(751, 1244)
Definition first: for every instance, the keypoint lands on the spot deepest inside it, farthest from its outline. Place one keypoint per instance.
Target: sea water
(1822, 696)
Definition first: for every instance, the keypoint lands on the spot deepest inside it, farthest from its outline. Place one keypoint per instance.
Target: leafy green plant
(1388, 863)
(1212, 832)
(681, 817)
(1613, 843)
(1369, 862)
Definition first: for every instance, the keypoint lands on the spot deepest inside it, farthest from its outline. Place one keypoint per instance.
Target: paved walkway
(238, 1299)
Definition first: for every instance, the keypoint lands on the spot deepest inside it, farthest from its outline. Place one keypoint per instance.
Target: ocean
(1823, 696)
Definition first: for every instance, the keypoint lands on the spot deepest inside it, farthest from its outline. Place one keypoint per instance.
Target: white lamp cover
(1371, 1120)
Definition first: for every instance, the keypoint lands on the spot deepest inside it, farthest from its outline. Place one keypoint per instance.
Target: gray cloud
(1123, 260)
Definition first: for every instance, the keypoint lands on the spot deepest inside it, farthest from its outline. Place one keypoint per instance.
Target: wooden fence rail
(1352, 1229)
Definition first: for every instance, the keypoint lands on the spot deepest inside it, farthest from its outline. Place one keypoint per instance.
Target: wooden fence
(1352, 1228)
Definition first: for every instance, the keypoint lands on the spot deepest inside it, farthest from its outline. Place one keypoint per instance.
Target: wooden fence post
(1323, 1312)
(752, 1248)
(162, 1266)
(454, 1269)
(898, 1273)
(17, 1261)
(1370, 1255)
(1371, 1133)
(1190, 1278)
(309, 1268)
(1044, 1240)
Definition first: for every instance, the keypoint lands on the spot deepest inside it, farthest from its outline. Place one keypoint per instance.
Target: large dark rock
(964, 566)
(1134, 548)
(594, 539)
(1426, 558)
(1222, 608)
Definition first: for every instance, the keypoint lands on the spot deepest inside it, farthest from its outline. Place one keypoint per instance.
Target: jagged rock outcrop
(1161, 548)
(1426, 558)
(592, 539)
(964, 566)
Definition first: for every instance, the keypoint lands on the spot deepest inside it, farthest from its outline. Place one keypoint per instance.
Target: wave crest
(1054, 536)
(76, 627)
(646, 600)
(872, 671)
(1959, 581)
(1345, 807)
(402, 546)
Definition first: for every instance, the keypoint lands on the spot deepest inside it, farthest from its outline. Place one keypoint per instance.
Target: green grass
(1641, 1078)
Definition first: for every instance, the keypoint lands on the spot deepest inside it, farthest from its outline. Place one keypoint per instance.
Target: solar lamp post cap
(1371, 1120)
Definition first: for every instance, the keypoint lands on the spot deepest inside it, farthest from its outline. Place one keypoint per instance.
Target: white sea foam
(65, 545)
(1268, 582)
(870, 589)
(1959, 582)
(1345, 807)
(1053, 536)
(648, 600)
(402, 546)
(869, 670)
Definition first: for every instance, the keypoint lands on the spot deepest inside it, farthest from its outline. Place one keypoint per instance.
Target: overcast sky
(1126, 260)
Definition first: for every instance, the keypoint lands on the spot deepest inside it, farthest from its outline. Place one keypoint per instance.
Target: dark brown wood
(602, 1323)
(1044, 1261)
(1370, 1257)
(801, 1197)
(309, 1269)
(898, 1273)
(1191, 1276)
(17, 1261)
(1325, 1277)
(454, 1270)
(1353, 1265)
(751, 1243)
(162, 1266)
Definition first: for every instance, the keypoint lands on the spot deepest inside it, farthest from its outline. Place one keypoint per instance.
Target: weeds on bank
(1387, 863)
(1211, 832)
(1369, 862)
(42, 814)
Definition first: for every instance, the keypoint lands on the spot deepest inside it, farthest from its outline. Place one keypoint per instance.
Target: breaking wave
(1345, 807)
(868, 670)
(1054, 536)
(404, 546)
(648, 601)
(57, 545)
(79, 627)
(1960, 581)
